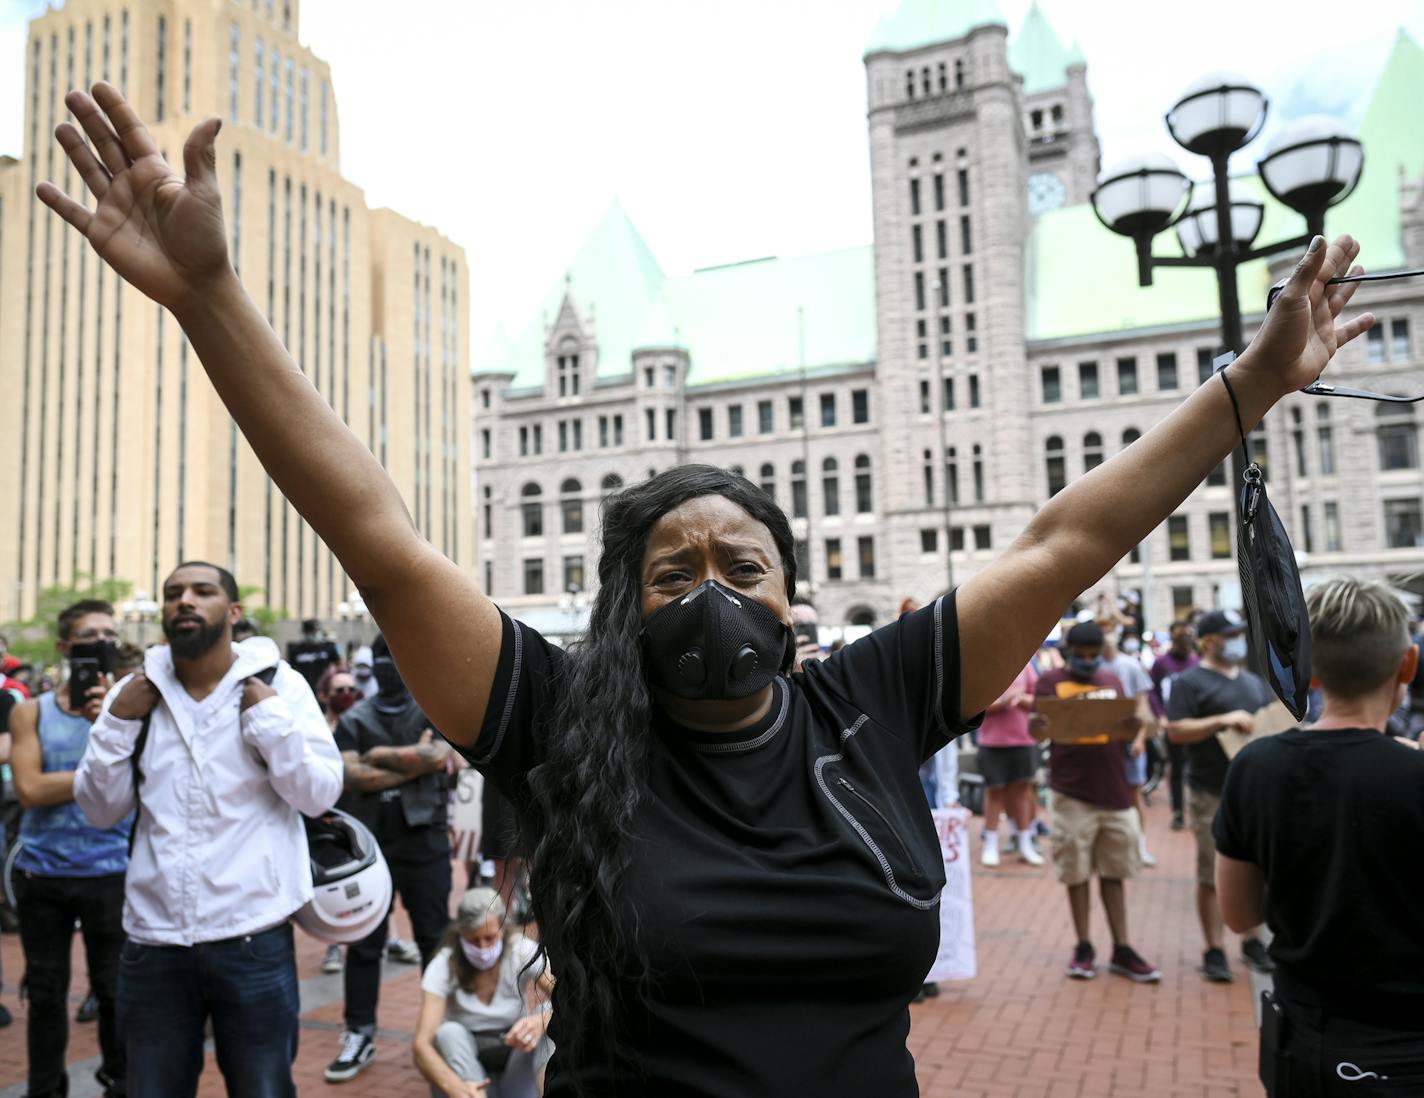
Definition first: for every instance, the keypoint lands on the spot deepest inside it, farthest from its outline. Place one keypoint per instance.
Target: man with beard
(1216, 695)
(221, 766)
(395, 783)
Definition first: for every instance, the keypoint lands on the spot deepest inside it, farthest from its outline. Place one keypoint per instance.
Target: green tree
(33, 640)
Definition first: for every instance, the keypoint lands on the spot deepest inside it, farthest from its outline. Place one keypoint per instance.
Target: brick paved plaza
(1020, 1030)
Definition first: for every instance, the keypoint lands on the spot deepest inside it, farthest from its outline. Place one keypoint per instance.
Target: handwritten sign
(1086, 720)
(1269, 720)
(466, 815)
(956, 958)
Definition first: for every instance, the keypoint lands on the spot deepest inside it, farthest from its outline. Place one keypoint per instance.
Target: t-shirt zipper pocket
(889, 827)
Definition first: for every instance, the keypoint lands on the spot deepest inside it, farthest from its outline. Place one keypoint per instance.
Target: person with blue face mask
(1217, 695)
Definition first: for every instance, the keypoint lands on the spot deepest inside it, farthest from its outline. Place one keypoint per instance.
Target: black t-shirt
(312, 658)
(1202, 692)
(1335, 821)
(410, 821)
(785, 878)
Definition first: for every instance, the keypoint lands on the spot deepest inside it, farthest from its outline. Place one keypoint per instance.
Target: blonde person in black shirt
(1319, 834)
(734, 870)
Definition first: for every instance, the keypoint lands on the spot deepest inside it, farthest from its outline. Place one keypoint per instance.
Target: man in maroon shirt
(1095, 828)
(1181, 656)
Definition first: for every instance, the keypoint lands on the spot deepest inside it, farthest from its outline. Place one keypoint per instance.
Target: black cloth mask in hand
(388, 678)
(716, 644)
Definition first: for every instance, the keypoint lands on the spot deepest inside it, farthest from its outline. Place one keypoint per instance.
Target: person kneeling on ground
(1315, 832)
(482, 1015)
(1094, 824)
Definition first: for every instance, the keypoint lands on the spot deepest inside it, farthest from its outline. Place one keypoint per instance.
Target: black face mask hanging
(716, 644)
(1270, 584)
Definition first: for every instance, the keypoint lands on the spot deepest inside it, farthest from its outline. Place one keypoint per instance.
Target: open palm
(161, 232)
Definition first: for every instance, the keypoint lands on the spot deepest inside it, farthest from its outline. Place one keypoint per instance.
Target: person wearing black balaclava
(732, 865)
(1217, 695)
(395, 783)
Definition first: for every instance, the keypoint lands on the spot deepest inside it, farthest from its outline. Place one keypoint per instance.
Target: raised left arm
(1006, 611)
(1241, 890)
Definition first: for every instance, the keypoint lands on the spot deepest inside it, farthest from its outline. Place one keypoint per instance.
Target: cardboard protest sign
(1086, 720)
(956, 958)
(1269, 720)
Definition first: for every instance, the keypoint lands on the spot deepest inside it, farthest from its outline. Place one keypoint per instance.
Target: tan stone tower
(121, 460)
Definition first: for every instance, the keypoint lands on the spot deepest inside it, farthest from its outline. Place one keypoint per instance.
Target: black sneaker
(1215, 968)
(88, 1009)
(5, 1016)
(357, 1050)
(1179, 822)
(1126, 961)
(1253, 952)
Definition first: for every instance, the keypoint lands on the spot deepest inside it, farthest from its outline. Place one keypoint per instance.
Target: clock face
(1045, 192)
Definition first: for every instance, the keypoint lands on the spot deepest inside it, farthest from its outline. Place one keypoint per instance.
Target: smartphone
(106, 652)
(84, 675)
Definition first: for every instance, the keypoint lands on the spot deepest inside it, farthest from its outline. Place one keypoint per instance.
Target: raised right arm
(165, 235)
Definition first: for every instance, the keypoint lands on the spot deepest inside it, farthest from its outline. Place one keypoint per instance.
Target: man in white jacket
(227, 767)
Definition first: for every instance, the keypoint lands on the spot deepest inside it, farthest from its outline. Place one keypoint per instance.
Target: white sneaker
(331, 963)
(398, 949)
(989, 853)
(1146, 857)
(1027, 853)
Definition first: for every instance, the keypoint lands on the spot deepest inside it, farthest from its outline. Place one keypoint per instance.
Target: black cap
(1215, 622)
(1085, 634)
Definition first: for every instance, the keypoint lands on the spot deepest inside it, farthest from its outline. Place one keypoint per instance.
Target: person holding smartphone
(68, 870)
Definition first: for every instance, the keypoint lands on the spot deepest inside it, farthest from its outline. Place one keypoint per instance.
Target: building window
(1297, 435)
(973, 390)
(1325, 437)
(1218, 525)
(704, 424)
(767, 479)
(966, 235)
(1397, 436)
(652, 424)
(534, 577)
(944, 297)
(971, 338)
(948, 393)
(1055, 465)
(860, 405)
(1204, 364)
(162, 66)
(486, 446)
(1087, 380)
(914, 198)
(831, 486)
(305, 107)
(1179, 543)
(802, 550)
(571, 504)
(968, 283)
(1184, 602)
(1306, 532)
(563, 435)
(798, 489)
(1333, 542)
(866, 549)
(941, 240)
(1260, 452)
(1166, 371)
(1092, 451)
(939, 191)
(649, 376)
(274, 67)
(828, 409)
(1127, 376)
(1052, 385)
(734, 421)
(962, 177)
(864, 499)
(835, 566)
(920, 291)
(1374, 343)
(917, 239)
(524, 442)
(603, 432)
(765, 422)
(978, 471)
(487, 510)
(1399, 339)
(929, 541)
(956, 539)
(670, 376)
(1403, 524)
(796, 413)
(531, 508)
(670, 423)
(951, 474)
(573, 573)
(324, 110)
(983, 538)
(291, 73)
(924, 397)
(610, 484)
(618, 430)
(259, 81)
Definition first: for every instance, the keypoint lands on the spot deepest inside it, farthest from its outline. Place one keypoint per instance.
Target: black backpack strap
(267, 674)
(139, 745)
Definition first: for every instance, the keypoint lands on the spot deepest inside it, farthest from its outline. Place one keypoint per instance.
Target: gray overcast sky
(729, 130)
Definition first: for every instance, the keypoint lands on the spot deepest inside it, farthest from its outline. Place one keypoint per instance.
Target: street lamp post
(1310, 165)
(139, 610)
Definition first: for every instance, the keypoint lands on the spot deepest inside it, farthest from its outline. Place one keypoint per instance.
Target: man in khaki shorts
(1217, 694)
(1095, 827)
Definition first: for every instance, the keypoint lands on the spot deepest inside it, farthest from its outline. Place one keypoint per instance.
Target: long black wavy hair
(586, 792)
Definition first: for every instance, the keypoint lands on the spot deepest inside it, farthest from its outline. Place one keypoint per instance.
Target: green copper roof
(918, 23)
(1082, 279)
(1038, 54)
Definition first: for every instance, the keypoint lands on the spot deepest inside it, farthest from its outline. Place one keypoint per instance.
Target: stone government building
(990, 291)
(120, 459)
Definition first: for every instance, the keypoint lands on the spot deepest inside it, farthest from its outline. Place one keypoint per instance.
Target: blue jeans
(247, 985)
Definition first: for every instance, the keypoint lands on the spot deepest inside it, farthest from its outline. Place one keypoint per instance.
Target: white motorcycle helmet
(350, 881)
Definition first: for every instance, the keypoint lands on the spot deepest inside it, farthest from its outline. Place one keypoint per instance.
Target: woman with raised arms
(733, 870)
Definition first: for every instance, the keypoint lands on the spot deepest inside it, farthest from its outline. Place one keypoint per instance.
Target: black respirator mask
(716, 645)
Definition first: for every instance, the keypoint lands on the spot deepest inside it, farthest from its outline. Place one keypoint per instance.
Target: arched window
(768, 479)
(862, 616)
(1131, 435)
(959, 73)
(951, 474)
(831, 486)
(798, 489)
(978, 473)
(1398, 437)
(1055, 465)
(611, 483)
(943, 78)
(864, 497)
(571, 504)
(1092, 450)
(925, 80)
(910, 83)
(532, 509)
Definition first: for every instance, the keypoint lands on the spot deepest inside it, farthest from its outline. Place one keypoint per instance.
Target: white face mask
(482, 959)
(1233, 649)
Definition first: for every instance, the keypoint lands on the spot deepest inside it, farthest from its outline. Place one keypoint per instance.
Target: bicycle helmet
(350, 880)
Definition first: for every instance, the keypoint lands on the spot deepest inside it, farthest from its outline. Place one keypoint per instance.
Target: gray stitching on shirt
(508, 699)
(939, 667)
(765, 737)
